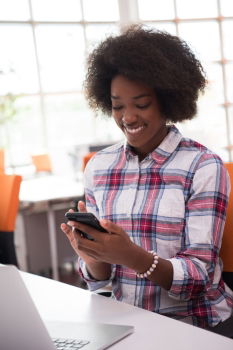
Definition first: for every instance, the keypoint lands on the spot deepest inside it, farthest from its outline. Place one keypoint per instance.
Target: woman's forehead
(122, 86)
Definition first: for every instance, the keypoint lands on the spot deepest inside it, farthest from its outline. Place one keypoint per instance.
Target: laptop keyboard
(70, 344)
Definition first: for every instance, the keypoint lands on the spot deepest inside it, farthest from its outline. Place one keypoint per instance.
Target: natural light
(44, 45)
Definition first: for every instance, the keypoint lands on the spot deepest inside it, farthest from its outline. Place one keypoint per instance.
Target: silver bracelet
(151, 268)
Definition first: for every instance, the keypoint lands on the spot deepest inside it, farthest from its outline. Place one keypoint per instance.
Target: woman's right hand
(71, 233)
(97, 269)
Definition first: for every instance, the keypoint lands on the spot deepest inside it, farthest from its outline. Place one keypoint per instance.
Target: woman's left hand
(114, 247)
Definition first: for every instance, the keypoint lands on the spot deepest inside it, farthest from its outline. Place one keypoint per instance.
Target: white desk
(60, 302)
(49, 188)
(49, 193)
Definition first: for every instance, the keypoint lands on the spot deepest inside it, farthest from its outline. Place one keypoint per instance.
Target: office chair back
(9, 204)
(86, 159)
(226, 252)
(2, 161)
(42, 163)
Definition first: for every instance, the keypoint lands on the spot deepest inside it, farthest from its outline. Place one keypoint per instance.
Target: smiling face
(136, 111)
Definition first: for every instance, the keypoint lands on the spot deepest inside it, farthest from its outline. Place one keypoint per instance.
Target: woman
(161, 197)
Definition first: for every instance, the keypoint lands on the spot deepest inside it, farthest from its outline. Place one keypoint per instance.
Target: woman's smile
(135, 131)
(136, 111)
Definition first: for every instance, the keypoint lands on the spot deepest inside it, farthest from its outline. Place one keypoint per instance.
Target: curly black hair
(162, 61)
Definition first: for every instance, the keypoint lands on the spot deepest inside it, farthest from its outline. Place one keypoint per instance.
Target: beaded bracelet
(151, 268)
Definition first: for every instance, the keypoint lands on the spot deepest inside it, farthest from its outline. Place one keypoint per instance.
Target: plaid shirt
(173, 202)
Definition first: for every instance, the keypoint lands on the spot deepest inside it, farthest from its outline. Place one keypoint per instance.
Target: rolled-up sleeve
(194, 267)
(92, 283)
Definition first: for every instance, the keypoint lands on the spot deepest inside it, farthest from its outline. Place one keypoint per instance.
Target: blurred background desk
(38, 238)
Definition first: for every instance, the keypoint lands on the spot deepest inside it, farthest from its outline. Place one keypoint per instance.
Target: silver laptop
(22, 328)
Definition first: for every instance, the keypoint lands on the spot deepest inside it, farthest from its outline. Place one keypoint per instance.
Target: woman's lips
(133, 130)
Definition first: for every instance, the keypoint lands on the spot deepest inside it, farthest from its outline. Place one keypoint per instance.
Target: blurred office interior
(44, 45)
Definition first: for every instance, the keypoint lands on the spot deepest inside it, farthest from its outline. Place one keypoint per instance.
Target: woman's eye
(143, 106)
(116, 108)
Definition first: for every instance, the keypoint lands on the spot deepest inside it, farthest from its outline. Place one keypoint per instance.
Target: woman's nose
(129, 116)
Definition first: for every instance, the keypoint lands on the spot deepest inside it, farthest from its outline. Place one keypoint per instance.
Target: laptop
(22, 328)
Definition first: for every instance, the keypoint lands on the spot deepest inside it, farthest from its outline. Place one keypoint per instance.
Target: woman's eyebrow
(134, 97)
(140, 96)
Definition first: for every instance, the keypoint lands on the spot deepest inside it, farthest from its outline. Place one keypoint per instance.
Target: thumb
(82, 207)
(111, 227)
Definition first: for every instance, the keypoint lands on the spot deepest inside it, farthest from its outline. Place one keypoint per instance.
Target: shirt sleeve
(92, 283)
(196, 266)
(91, 206)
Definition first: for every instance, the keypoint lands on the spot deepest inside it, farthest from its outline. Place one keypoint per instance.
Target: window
(44, 44)
(207, 27)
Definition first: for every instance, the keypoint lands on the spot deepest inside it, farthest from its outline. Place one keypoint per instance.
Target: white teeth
(134, 130)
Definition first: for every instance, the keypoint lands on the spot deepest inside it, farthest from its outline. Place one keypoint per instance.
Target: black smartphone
(87, 219)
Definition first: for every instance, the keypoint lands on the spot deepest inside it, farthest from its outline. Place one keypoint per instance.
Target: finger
(111, 227)
(65, 228)
(88, 246)
(69, 234)
(83, 248)
(93, 232)
(98, 237)
(82, 207)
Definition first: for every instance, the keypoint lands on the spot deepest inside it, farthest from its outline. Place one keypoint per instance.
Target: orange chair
(86, 159)
(226, 252)
(9, 203)
(226, 327)
(42, 163)
(2, 160)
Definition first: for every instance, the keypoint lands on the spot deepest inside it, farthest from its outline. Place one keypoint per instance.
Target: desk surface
(48, 188)
(57, 301)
